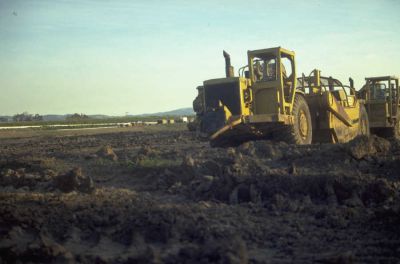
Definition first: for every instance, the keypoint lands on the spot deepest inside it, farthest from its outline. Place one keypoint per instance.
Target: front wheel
(300, 132)
(396, 128)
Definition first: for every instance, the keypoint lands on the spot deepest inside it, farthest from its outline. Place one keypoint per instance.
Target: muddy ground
(161, 196)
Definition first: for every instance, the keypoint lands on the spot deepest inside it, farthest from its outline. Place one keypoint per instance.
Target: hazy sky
(112, 57)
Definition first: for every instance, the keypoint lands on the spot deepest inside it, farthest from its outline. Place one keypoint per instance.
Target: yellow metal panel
(266, 102)
(266, 98)
(285, 119)
(245, 106)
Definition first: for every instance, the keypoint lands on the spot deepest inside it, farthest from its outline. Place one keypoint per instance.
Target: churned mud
(162, 196)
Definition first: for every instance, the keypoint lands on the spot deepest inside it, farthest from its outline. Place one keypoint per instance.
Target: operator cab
(382, 88)
(273, 68)
(378, 91)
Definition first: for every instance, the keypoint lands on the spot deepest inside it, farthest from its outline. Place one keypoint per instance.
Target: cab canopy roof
(382, 78)
(274, 51)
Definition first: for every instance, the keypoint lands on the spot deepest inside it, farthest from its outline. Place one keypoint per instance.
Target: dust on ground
(162, 196)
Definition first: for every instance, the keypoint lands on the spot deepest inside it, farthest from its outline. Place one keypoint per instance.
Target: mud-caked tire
(396, 128)
(392, 132)
(300, 132)
(363, 126)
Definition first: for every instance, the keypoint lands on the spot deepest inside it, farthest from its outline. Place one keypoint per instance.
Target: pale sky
(113, 57)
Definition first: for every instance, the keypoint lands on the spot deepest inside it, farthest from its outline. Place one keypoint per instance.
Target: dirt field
(158, 195)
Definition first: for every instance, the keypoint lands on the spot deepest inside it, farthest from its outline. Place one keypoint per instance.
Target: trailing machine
(382, 101)
(268, 101)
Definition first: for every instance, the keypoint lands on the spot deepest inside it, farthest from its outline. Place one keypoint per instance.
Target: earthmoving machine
(381, 95)
(268, 101)
(198, 107)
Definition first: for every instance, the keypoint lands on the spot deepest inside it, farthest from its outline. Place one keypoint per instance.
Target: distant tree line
(77, 116)
(25, 116)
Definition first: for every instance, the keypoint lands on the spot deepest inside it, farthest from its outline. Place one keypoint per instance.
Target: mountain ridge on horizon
(186, 111)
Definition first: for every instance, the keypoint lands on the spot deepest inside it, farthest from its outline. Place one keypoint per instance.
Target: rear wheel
(300, 132)
(363, 127)
(396, 129)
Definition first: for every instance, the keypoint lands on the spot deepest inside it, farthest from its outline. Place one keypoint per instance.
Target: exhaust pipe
(351, 81)
(228, 68)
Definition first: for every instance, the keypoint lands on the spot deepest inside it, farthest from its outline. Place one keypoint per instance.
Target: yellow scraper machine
(382, 101)
(268, 101)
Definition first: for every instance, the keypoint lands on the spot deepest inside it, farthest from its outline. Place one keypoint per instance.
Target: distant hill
(178, 112)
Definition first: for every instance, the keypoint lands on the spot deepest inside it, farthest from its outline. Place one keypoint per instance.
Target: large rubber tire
(363, 127)
(300, 132)
(389, 132)
(396, 129)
